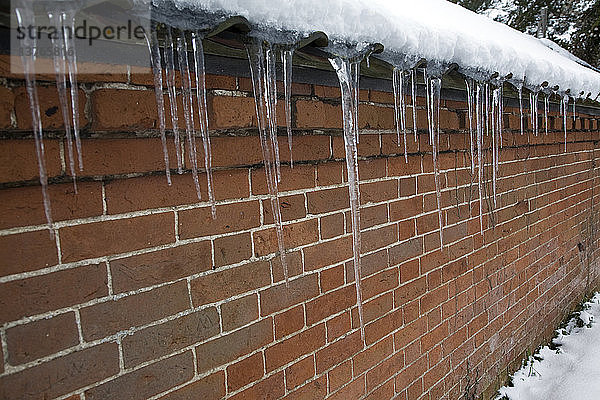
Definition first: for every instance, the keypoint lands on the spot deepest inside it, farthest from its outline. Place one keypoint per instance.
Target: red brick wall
(141, 294)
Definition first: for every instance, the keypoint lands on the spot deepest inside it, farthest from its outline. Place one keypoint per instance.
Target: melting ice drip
(25, 17)
(563, 105)
(65, 63)
(262, 67)
(348, 73)
(191, 90)
(400, 107)
(433, 86)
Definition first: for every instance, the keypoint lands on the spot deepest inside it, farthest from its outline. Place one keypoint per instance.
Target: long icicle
(26, 18)
(436, 87)
(520, 91)
(494, 143)
(470, 116)
(261, 89)
(58, 59)
(478, 104)
(68, 20)
(199, 72)
(565, 102)
(400, 108)
(156, 61)
(343, 69)
(546, 111)
(286, 60)
(188, 108)
(413, 99)
(271, 86)
(170, 75)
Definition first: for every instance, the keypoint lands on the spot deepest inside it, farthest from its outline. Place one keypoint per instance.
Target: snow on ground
(436, 30)
(570, 373)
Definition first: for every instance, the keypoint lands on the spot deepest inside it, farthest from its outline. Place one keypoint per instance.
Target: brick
(103, 157)
(332, 225)
(159, 340)
(294, 235)
(28, 251)
(305, 148)
(327, 253)
(239, 216)
(406, 208)
(230, 184)
(234, 151)
(385, 391)
(211, 387)
(116, 236)
(289, 322)
(332, 278)
(245, 371)
(338, 351)
(161, 266)
(118, 109)
(354, 390)
(375, 117)
(373, 355)
(378, 238)
(39, 294)
(50, 110)
(270, 388)
(294, 266)
(148, 381)
(406, 250)
(340, 375)
(409, 333)
(7, 103)
(383, 326)
(378, 307)
(330, 173)
(294, 347)
(220, 285)
(107, 318)
(279, 297)
(330, 304)
(231, 112)
(385, 370)
(62, 375)
(299, 372)
(316, 114)
(291, 208)
(315, 389)
(227, 348)
(232, 249)
(67, 205)
(328, 200)
(299, 177)
(126, 195)
(18, 160)
(238, 312)
(41, 338)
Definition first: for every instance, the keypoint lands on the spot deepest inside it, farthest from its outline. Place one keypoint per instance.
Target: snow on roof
(436, 30)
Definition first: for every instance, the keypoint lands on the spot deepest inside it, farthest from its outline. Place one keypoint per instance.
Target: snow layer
(436, 30)
(572, 373)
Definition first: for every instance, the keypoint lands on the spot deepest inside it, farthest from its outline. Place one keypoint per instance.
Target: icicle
(26, 18)
(343, 69)
(479, 113)
(170, 71)
(68, 20)
(574, 112)
(286, 60)
(564, 103)
(470, 116)
(271, 86)
(494, 142)
(400, 107)
(199, 71)
(500, 110)
(355, 75)
(188, 107)
(261, 86)
(414, 100)
(433, 86)
(60, 72)
(546, 111)
(520, 90)
(156, 62)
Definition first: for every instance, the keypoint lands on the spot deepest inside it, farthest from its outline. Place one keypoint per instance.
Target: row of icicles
(485, 110)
